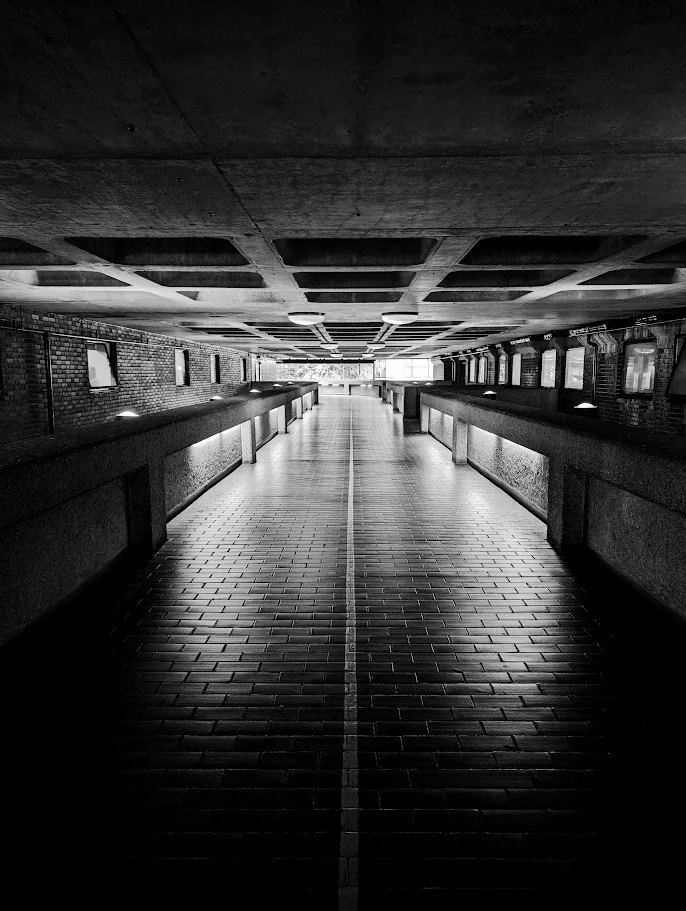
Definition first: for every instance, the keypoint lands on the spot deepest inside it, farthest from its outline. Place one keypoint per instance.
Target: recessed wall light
(277, 386)
(305, 318)
(128, 414)
(255, 390)
(489, 392)
(217, 398)
(399, 317)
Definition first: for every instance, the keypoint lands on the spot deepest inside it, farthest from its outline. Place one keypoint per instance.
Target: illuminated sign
(587, 329)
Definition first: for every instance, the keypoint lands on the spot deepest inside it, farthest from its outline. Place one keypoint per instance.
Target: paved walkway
(406, 699)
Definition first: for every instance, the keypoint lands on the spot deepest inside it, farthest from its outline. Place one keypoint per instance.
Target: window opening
(101, 365)
(639, 368)
(182, 367)
(574, 368)
(215, 369)
(502, 369)
(516, 378)
(677, 384)
(482, 370)
(548, 368)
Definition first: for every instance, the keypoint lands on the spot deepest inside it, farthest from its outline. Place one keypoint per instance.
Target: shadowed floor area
(180, 731)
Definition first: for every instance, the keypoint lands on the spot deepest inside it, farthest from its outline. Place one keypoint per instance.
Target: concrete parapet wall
(70, 505)
(584, 454)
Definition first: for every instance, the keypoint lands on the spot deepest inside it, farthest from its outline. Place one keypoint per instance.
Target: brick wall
(145, 370)
(655, 412)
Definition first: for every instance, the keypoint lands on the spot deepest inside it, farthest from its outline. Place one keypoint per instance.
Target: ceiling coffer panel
(162, 251)
(362, 251)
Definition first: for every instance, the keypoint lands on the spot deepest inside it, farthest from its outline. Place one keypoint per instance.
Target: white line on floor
(348, 862)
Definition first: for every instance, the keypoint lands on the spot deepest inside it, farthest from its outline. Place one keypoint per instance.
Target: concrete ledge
(644, 476)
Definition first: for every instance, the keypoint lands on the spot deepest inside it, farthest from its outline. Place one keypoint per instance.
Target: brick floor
(518, 732)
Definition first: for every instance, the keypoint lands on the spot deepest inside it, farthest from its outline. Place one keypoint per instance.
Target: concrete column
(298, 408)
(282, 419)
(424, 418)
(459, 441)
(147, 509)
(248, 441)
(567, 497)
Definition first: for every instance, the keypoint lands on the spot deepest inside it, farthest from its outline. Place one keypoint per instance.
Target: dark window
(677, 384)
(183, 377)
(102, 373)
(215, 369)
(639, 368)
(244, 370)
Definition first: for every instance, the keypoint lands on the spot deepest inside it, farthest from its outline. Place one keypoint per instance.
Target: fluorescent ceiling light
(376, 346)
(398, 317)
(330, 346)
(304, 318)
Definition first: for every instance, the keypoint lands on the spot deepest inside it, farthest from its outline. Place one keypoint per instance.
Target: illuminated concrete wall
(523, 469)
(441, 427)
(187, 470)
(642, 541)
(266, 426)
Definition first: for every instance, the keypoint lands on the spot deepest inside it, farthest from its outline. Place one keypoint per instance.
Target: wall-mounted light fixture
(586, 405)
(490, 392)
(217, 398)
(128, 414)
(255, 390)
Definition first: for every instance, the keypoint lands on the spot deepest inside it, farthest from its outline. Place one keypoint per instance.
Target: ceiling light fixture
(376, 346)
(585, 405)
(333, 354)
(330, 346)
(277, 385)
(304, 318)
(489, 392)
(255, 390)
(399, 317)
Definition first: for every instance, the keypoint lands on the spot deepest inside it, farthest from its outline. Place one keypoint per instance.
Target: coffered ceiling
(203, 169)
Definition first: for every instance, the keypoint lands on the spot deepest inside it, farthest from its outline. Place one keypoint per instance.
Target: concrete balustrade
(615, 491)
(74, 505)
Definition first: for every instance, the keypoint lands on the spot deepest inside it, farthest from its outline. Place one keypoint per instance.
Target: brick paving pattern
(518, 735)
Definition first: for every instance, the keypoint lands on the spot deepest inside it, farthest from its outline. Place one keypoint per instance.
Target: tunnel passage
(186, 736)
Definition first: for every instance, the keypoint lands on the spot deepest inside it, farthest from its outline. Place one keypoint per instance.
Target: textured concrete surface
(521, 468)
(640, 541)
(47, 558)
(189, 469)
(488, 168)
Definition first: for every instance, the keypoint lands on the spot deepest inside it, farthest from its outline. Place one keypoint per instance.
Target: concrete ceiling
(202, 169)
